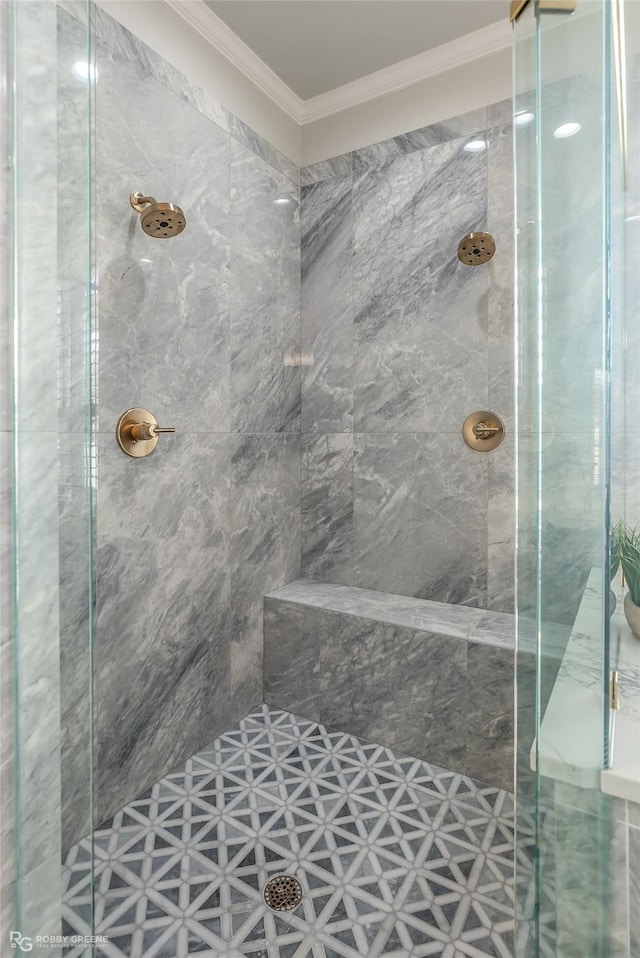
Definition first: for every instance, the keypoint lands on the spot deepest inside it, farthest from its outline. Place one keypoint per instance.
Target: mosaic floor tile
(396, 858)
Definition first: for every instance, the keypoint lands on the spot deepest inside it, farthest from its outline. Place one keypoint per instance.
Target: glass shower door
(52, 464)
(565, 155)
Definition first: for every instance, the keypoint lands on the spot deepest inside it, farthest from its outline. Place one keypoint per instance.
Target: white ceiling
(318, 45)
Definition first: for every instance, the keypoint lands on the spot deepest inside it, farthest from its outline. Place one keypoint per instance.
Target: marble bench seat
(429, 679)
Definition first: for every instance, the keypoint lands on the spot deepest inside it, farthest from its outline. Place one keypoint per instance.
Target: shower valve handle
(144, 431)
(138, 432)
(483, 430)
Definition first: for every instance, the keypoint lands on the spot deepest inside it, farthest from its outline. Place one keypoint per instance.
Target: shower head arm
(140, 202)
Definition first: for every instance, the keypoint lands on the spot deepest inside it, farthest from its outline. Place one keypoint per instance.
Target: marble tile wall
(7, 862)
(37, 689)
(75, 448)
(426, 679)
(31, 831)
(589, 872)
(204, 330)
(405, 343)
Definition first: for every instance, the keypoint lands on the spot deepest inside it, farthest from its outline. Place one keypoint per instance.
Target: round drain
(283, 893)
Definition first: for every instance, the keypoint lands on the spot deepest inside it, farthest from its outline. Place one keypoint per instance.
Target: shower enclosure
(258, 692)
(578, 762)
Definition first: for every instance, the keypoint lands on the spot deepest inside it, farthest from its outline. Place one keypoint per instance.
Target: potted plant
(629, 546)
(615, 546)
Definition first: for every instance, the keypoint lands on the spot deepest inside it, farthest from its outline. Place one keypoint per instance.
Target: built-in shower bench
(429, 679)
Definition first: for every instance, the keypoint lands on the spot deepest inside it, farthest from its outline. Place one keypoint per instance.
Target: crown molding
(472, 46)
(218, 35)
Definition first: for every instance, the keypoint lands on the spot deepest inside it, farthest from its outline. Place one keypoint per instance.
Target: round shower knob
(138, 432)
(483, 430)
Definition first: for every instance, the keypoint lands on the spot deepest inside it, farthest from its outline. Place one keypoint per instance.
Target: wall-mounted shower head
(474, 249)
(158, 219)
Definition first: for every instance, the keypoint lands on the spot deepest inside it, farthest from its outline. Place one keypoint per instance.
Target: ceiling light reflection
(567, 129)
(85, 71)
(475, 146)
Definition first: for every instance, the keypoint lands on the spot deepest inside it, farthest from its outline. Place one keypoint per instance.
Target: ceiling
(317, 45)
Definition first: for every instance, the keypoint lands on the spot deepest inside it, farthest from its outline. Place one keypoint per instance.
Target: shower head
(158, 219)
(474, 249)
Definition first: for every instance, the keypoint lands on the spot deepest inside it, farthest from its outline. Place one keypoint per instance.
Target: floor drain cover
(283, 893)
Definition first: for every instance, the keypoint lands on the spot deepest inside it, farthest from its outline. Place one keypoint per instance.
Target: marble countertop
(571, 736)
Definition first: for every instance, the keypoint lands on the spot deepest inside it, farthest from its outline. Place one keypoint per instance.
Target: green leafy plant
(629, 558)
(616, 543)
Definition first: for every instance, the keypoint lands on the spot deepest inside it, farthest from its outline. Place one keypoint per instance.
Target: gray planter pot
(632, 614)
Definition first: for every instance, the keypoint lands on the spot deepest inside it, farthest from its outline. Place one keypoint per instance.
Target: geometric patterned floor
(396, 857)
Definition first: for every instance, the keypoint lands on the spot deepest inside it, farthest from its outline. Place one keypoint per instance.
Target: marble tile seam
(395, 430)
(204, 432)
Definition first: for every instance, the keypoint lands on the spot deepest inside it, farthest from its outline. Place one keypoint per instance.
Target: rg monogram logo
(20, 941)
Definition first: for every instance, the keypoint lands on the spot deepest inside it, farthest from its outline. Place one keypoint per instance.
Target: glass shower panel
(53, 348)
(563, 158)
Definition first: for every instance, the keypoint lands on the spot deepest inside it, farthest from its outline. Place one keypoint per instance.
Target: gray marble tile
(626, 336)
(264, 548)
(626, 467)
(385, 683)
(327, 306)
(75, 532)
(420, 334)
(35, 148)
(41, 897)
(129, 47)
(7, 908)
(619, 925)
(500, 114)
(262, 148)
(454, 621)
(37, 689)
(161, 303)
(337, 166)
(327, 507)
(421, 139)
(499, 626)
(420, 514)
(501, 272)
(162, 646)
(307, 592)
(6, 262)
(75, 455)
(7, 860)
(265, 297)
(292, 657)
(633, 813)
(579, 848)
(501, 519)
(571, 528)
(634, 890)
(489, 714)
